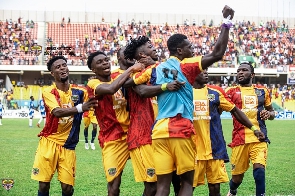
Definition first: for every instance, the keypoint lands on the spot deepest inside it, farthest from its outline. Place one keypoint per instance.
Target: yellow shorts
(88, 120)
(51, 157)
(256, 152)
(143, 164)
(214, 170)
(174, 153)
(114, 156)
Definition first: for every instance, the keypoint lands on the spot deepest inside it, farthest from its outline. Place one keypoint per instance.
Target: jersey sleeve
(191, 67)
(225, 103)
(92, 85)
(144, 76)
(50, 100)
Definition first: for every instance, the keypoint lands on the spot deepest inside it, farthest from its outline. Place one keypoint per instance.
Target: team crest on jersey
(211, 97)
(7, 183)
(258, 92)
(75, 98)
(233, 166)
(112, 171)
(35, 171)
(150, 172)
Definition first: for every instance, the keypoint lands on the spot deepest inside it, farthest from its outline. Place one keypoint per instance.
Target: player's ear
(141, 55)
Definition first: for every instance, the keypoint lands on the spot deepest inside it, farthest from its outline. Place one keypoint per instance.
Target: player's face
(124, 61)
(60, 70)
(244, 75)
(202, 78)
(149, 50)
(187, 49)
(101, 65)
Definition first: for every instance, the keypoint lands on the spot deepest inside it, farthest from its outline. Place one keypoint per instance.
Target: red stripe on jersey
(110, 128)
(190, 71)
(51, 120)
(238, 134)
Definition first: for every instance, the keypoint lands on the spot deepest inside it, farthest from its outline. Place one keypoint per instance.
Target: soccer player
(64, 105)
(1, 110)
(32, 108)
(112, 116)
(210, 143)
(139, 102)
(255, 102)
(42, 112)
(88, 117)
(172, 131)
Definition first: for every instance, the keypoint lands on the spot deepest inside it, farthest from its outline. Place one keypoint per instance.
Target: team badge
(112, 171)
(258, 92)
(233, 166)
(75, 98)
(35, 171)
(211, 97)
(7, 183)
(150, 172)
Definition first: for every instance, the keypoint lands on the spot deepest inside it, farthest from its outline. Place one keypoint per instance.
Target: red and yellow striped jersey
(65, 130)
(111, 113)
(251, 100)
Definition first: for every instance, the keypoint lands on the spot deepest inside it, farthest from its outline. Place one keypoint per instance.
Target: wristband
(79, 108)
(253, 128)
(164, 87)
(227, 23)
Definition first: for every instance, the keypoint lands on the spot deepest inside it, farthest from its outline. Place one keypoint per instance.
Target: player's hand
(147, 60)
(137, 67)
(264, 115)
(228, 11)
(175, 85)
(260, 135)
(90, 104)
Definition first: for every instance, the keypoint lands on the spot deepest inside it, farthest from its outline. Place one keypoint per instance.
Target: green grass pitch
(18, 144)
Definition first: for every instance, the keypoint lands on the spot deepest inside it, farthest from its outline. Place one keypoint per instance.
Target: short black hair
(130, 51)
(52, 60)
(31, 97)
(91, 56)
(174, 42)
(250, 65)
(118, 53)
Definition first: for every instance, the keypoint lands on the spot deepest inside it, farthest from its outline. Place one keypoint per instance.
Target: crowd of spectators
(18, 45)
(271, 43)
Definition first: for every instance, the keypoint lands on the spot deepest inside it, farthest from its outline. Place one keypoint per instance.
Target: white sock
(30, 122)
(44, 121)
(40, 120)
(0, 121)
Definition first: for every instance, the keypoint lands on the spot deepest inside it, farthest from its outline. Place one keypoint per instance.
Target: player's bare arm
(151, 91)
(221, 44)
(63, 112)
(105, 88)
(244, 120)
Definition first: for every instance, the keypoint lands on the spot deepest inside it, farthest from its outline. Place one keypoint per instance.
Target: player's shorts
(43, 114)
(143, 164)
(51, 157)
(214, 170)
(88, 120)
(174, 153)
(31, 114)
(115, 155)
(256, 152)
